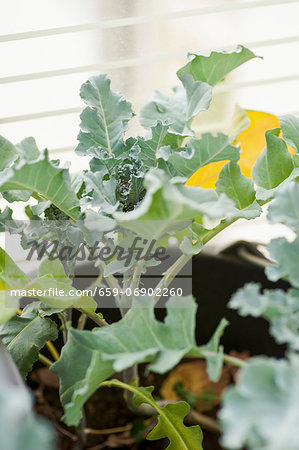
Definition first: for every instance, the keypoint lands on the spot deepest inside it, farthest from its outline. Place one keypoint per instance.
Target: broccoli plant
(169, 183)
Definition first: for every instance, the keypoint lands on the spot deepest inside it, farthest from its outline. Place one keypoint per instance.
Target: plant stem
(94, 317)
(131, 377)
(63, 326)
(52, 350)
(226, 358)
(204, 421)
(170, 274)
(109, 430)
(177, 266)
(44, 360)
(82, 321)
(234, 361)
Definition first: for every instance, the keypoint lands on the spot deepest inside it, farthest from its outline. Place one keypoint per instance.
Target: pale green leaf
(168, 202)
(6, 311)
(151, 146)
(8, 153)
(20, 428)
(138, 337)
(213, 68)
(56, 288)
(286, 257)
(285, 207)
(177, 110)
(290, 130)
(11, 276)
(200, 152)
(104, 121)
(101, 192)
(188, 248)
(214, 353)
(274, 164)
(235, 185)
(267, 194)
(281, 309)
(28, 150)
(7, 223)
(261, 411)
(44, 178)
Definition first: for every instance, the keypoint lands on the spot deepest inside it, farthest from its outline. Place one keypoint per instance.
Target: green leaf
(6, 312)
(285, 207)
(20, 428)
(44, 178)
(200, 152)
(188, 248)
(168, 203)
(25, 335)
(8, 224)
(136, 338)
(286, 257)
(170, 420)
(101, 192)
(56, 288)
(214, 353)
(235, 185)
(213, 68)
(178, 109)
(11, 276)
(296, 160)
(268, 194)
(281, 309)
(261, 411)
(274, 164)
(8, 153)
(151, 146)
(290, 130)
(28, 150)
(104, 121)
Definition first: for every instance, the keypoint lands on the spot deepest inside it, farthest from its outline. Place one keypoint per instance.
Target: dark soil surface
(105, 410)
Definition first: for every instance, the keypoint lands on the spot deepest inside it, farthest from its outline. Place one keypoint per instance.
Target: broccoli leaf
(200, 152)
(170, 420)
(235, 185)
(213, 68)
(285, 207)
(177, 110)
(104, 121)
(274, 165)
(137, 337)
(261, 411)
(42, 177)
(290, 130)
(20, 428)
(25, 335)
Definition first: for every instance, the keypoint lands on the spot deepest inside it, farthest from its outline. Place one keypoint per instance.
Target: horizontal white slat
(138, 61)
(224, 87)
(41, 115)
(137, 20)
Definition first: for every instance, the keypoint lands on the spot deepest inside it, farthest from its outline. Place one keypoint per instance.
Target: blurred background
(49, 48)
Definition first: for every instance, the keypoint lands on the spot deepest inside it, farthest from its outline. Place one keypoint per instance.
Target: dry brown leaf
(194, 378)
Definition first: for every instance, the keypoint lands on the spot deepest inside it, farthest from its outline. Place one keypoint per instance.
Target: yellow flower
(252, 141)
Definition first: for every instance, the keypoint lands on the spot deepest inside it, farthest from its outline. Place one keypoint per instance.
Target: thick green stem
(94, 317)
(177, 266)
(44, 360)
(226, 358)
